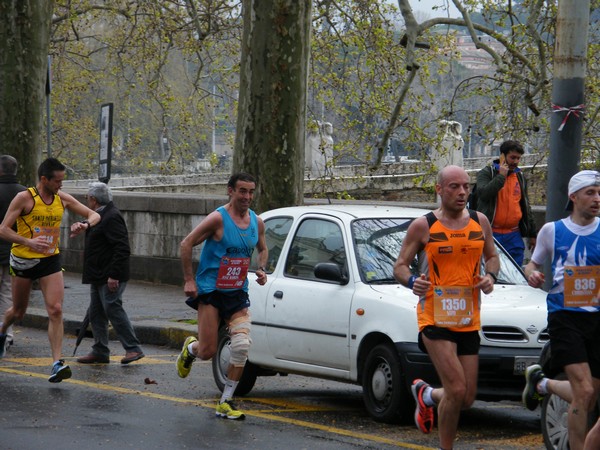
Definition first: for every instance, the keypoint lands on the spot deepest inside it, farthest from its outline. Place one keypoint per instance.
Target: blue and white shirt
(569, 246)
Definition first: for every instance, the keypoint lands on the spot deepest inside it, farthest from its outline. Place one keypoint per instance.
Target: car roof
(351, 211)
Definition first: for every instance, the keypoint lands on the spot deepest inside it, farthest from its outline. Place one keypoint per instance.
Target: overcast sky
(426, 5)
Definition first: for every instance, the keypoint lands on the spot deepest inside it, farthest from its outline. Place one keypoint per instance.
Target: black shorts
(46, 266)
(228, 303)
(467, 342)
(574, 338)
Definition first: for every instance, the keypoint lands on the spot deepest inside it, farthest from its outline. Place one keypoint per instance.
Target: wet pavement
(158, 313)
(145, 405)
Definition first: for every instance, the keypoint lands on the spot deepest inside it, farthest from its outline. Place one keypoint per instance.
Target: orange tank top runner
(42, 220)
(453, 262)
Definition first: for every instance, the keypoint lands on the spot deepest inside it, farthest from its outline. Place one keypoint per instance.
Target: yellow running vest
(42, 220)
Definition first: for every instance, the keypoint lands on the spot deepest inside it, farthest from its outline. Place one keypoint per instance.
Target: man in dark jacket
(8, 189)
(502, 197)
(106, 270)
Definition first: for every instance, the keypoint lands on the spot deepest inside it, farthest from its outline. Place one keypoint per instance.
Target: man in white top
(573, 246)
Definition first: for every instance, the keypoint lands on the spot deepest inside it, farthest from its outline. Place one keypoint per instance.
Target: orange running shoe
(423, 413)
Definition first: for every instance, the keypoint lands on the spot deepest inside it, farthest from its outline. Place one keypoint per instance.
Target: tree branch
(380, 146)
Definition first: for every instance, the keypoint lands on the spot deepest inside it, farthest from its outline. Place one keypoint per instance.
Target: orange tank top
(508, 206)
(453, 259)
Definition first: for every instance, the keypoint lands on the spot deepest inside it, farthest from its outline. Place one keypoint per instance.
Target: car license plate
(522, 363)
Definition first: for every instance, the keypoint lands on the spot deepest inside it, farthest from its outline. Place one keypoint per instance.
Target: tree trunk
(272, 105)
(568, 93)
(25, 35)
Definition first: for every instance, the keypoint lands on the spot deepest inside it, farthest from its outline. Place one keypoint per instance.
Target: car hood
(508, 309)
(521, 299)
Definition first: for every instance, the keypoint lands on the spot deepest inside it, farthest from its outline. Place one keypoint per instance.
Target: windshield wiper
(382, 281)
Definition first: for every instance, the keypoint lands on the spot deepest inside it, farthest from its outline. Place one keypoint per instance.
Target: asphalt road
(114, 406)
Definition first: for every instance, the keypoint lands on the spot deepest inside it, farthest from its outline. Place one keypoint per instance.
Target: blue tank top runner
(223, 264)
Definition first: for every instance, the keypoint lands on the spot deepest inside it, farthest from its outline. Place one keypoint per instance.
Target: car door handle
(278, 294)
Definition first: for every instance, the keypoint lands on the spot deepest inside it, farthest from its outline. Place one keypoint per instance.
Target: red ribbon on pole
(575, 110)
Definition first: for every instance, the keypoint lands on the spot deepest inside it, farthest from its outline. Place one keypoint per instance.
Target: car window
(276, 231)
(316, 241)
(510, 272)
(377, 244)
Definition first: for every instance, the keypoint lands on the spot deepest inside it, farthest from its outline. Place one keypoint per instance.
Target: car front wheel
(385, 397)
(220, 364)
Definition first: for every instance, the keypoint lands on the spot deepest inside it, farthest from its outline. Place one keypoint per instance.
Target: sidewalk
(157, 313)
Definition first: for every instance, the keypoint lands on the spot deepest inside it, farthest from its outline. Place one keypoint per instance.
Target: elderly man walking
(106, 270)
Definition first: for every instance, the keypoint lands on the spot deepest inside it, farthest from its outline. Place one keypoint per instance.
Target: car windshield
(377, 244)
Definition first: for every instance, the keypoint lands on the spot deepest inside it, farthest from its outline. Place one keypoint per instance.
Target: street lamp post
(570, 60)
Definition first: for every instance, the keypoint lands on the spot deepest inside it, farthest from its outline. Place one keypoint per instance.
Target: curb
(155, 332)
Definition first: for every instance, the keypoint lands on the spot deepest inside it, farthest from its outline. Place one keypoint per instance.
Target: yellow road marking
(44, 361)
(288, 405)
(211, 404)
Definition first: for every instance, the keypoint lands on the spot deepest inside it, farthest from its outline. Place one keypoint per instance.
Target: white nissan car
(332, 309)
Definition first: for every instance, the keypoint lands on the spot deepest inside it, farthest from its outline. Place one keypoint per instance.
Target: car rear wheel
(220, 363)
(385, 397)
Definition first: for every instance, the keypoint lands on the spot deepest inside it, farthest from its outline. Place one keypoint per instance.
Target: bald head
(452, 187)
(451, 173)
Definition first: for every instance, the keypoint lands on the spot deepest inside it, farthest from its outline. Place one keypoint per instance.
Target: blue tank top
(223, 264)
(572, 250)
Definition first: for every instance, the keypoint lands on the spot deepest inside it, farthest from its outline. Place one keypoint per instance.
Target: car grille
(544, 336)
(511, 334)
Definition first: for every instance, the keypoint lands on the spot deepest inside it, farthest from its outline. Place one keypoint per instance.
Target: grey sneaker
(59, 372)
(531, 397)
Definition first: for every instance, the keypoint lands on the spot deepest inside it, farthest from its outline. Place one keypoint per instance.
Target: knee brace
(239, 332)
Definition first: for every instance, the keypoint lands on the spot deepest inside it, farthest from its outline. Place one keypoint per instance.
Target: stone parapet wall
(343, 178)
(157, 223)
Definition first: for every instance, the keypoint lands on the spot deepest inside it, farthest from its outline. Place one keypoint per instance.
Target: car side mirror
(330, 272)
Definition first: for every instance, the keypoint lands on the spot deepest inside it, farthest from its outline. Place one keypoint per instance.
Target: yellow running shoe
(228, 410)
(185, 358)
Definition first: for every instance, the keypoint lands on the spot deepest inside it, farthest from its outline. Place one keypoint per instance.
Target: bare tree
(170, 65)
